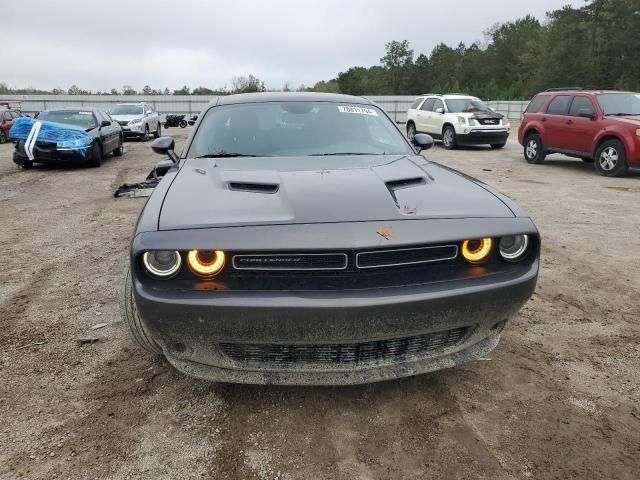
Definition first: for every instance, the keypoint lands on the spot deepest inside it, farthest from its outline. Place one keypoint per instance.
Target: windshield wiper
(226, 155)
(342, 153)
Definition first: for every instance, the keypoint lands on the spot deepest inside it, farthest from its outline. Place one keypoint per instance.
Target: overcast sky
(106, 44)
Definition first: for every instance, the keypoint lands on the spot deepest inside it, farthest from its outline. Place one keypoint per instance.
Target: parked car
(600, 125)
(8, 114)
(457, 120)
(105, 136)
(137, 120)
(301, 239)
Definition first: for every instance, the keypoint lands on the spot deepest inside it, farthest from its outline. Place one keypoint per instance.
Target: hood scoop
(254, 187)
(405, 183)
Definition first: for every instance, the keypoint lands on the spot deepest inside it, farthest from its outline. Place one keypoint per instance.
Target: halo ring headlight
(513, 247)
(476, 251)
(162, 264)
(206, 263)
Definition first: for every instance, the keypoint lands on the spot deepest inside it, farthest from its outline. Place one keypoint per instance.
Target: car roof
(590, 91)
(263, 97)
(132, 103)
(92, 110)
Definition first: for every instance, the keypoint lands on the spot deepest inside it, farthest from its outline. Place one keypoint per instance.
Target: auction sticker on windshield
(358, 110)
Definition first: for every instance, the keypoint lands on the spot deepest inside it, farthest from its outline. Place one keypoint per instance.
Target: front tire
(158, 131)
(3, 137)
(183, 123)
(449, 138)
(411, 131)
(96, 155)
(130, 316)
(534, 149)
(611, 159)
(145, 137)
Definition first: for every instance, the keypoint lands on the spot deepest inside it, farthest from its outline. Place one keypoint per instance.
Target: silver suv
(137, 119)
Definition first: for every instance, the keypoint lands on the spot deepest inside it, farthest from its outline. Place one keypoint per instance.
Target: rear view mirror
(422, 141)
(439, 110)
(165, 146)
(105, 123)
(586, 113)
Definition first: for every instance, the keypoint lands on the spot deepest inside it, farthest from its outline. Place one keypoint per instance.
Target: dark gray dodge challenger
(301, 239)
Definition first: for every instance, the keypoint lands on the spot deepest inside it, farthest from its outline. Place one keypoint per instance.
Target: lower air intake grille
(345, 353)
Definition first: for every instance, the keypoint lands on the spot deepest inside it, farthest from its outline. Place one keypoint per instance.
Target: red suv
(600, 126)
(7, 117)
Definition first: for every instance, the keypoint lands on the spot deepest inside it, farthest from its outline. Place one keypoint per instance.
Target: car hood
(125, 118)
(633, 120)
(301, 190)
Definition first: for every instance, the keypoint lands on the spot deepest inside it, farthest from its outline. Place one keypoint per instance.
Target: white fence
(395, 106)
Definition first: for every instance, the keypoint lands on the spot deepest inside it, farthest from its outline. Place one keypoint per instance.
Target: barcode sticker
(357, 110)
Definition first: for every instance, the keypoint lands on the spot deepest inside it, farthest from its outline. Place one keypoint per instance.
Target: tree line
(596, 45)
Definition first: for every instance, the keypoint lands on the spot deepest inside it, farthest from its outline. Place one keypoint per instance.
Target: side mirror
(422, 141)
(586, 113)
(439, 110)
(105, 123)
(165, 146)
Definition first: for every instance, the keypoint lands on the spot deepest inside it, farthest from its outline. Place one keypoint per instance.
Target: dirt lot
(559, 398)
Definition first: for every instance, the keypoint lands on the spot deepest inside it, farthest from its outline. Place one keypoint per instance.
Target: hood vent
(405, 183)
(254, 187)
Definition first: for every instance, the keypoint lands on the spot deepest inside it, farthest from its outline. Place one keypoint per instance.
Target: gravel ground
(559, 397)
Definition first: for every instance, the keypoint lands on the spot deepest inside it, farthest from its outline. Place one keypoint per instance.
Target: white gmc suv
(457, 120)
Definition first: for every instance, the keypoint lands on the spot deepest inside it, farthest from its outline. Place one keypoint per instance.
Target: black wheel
(183, 123)
(411, 131)
(533, 149)
(611, 159)
(449, 138)
(132, 319)
(497, 145)
(95, 155)
(158, 131)
(27, 164)
(118, 152)
(145, 137)
(3, 137)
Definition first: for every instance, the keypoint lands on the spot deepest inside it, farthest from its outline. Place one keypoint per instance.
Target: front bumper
(136, 130)
(51, 155)
(193, 326)
(483, 137)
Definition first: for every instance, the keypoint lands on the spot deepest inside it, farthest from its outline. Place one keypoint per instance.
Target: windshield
(463, 105)
(84, 120)
(126, 110)
(620, 103)
(297, 129)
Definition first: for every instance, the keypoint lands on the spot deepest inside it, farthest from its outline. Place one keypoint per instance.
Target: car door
(437, 119)
(151, 117)
(106, 133)
(581, 130)
(423, 116)
(555, 122)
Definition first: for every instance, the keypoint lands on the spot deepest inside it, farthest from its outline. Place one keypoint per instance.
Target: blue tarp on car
(64, 136)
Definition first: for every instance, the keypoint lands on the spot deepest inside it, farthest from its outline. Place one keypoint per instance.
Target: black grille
(405, 256)
(344, 353)
(123, 123)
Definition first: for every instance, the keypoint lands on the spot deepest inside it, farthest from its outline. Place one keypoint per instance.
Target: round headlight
(476, 251)
(512, 248)
(206, 263)
(162, 263)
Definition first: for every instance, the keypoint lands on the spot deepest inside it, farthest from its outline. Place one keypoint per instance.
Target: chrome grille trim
(286, 268)
(442, 259)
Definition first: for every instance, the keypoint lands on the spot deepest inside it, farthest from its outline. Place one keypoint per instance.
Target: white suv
(457, 120)
(137, 119)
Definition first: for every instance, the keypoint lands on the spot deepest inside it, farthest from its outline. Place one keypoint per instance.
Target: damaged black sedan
(302, 239)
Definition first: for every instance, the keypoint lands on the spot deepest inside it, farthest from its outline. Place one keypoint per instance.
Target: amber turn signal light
(476, 251)
(206, 263)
